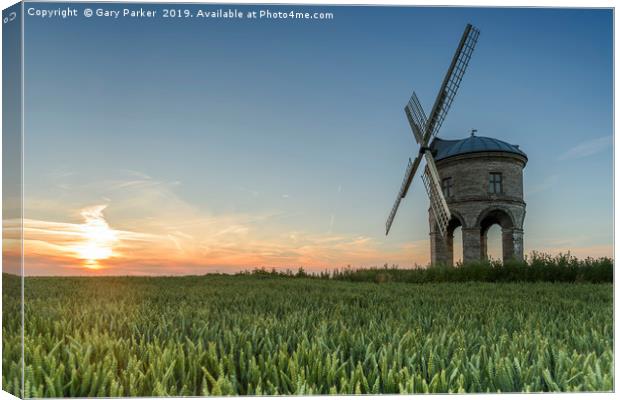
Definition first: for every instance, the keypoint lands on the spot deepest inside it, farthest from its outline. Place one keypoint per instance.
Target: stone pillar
(472, 246)
(441, 253)
(517, 237)
(449, 240)
(512, 244)
(441, 248)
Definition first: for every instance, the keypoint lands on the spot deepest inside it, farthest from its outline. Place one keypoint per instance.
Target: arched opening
(496, 240)
(457, 248)
(454, 241)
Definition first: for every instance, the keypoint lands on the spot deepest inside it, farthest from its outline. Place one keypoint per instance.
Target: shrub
(538, 267)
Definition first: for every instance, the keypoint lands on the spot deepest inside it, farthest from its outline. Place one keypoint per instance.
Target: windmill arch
(495, 215)
(455, 222)
(444, 245)
(511, 235)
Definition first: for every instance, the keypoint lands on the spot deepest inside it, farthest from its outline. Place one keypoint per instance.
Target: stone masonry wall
(471, 202)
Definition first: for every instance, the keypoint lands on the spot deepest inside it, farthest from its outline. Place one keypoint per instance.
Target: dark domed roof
(443, 149)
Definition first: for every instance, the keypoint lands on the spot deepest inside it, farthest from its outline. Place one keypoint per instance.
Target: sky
(188, 146)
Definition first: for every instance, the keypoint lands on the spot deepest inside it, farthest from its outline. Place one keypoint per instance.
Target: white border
(457, 3)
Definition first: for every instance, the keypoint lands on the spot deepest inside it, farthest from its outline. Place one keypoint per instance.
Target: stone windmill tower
(473, 183)
(482, 182)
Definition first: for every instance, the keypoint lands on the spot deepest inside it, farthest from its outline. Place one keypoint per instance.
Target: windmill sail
(452, 81)
(409, 173)
(412, 167)
(433, 188)
(416, 117)
(424, 128)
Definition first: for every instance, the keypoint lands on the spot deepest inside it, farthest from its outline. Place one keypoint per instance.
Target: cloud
(587, 148)
(331, 223)
(61, 248)
(250, 191)
(144, 228)
(547, 183)
(137, 225)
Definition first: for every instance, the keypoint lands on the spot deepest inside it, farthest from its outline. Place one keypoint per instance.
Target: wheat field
(252, 334)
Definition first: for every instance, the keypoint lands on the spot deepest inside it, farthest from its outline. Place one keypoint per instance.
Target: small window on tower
(446, 186)
(495, 183)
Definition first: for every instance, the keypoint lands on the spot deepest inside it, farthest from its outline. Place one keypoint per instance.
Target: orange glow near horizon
(184, 241)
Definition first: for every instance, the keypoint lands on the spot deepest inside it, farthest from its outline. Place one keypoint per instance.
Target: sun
(97, 238)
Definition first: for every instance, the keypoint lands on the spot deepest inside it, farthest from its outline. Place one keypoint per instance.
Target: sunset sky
(186, 147)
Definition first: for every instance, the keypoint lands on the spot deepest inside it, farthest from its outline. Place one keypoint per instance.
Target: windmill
(425, 128)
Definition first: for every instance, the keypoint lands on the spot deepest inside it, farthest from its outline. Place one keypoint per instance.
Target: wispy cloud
(547, 183)
(250, 191)
(587, 148)
(331, 223)
(145, 228)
